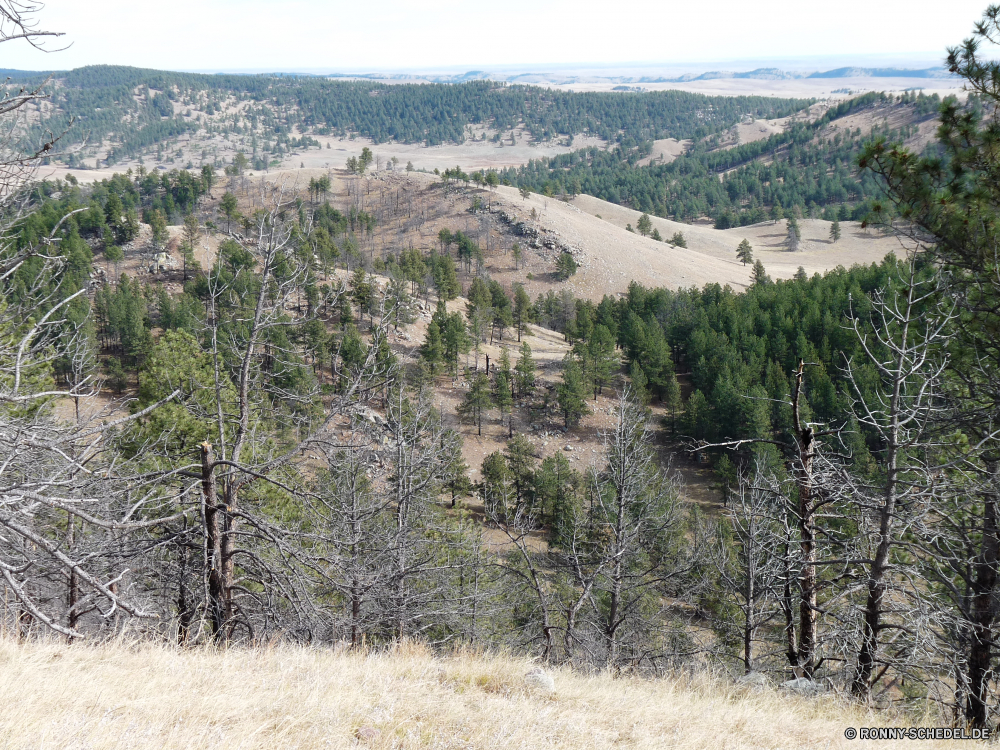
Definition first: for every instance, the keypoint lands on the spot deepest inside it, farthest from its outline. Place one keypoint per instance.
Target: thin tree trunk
(216, 587)
(983, 589)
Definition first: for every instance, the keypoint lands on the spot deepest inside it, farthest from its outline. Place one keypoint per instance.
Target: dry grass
(154, 696)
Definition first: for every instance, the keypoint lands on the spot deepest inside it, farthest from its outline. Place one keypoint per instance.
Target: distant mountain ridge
(765, 74)
(542, 77)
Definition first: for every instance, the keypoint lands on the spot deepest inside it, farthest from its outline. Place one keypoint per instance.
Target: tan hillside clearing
(611, 257)
(154, 696)
(665, 151)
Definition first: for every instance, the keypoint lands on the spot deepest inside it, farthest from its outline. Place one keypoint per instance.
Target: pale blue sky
(325, 36)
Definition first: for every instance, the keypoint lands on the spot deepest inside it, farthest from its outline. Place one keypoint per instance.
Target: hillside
(804, 164)
(612, 257)
(118, 114)
(133, 697)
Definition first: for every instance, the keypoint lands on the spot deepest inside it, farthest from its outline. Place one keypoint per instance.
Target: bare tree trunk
(213, 534)
(805, 443)
(983, 614)
(74, 579)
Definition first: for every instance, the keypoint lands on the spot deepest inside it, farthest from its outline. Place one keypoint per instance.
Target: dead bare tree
(753, 570)
(903, 341)
(636, 526)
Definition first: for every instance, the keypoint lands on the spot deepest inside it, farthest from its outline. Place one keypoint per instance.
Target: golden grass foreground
(141, 695)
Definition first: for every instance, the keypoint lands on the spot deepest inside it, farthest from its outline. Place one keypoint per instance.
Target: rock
(540, 681)
(802, 686)
(367, 734)
(753, 679)
(568, 448)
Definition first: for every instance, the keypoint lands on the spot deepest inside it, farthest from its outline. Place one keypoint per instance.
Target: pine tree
(557, 489)
(571, 392)
(190, 233)
(639, 383)
(565, 266)
(745, 252)
(604, 359)
(794, 234)
(432, 351)
(457, 471)
(678, 240)
(672, 400)
(456, 339)
(835, 231)
(503, 385)
(158, 225)
(497, 487)
(477, 401)
(644, 225)
(522, 311)
(525, 372)
(520, 455)
(445, 277)
(759, 275)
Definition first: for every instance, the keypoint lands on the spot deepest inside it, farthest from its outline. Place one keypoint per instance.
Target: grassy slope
(150, 696)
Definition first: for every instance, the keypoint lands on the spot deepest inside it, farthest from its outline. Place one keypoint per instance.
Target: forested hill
(810, 166)
(134, 108)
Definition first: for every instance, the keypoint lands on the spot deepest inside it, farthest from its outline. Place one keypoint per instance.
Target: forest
(133, 109)
(805, 168)
(250, 458)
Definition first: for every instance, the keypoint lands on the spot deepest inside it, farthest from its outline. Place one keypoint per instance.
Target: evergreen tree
(230, 209)
(557, 491)
(525, 372)
(759, 275)
(604, 359)
(497, 487)
(520, 455)
(835, 231)
(565, 266)
(672, 400)
(158, 226)
(745, 252)
(456, 339)
(477, 401)
(678, 240)
(522, 311)
(503, 396)
(445, 277)
(190, 236)
(794, 234)
(644, 225)
(571, 393)
(457, 471)
(433, 351)
(639, 383)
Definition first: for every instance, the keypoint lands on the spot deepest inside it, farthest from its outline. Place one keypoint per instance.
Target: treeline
(102, 103)
(808, 168)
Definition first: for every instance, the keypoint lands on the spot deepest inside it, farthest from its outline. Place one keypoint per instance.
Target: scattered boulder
(753, 679)
(568, 448)
(539, 681)
(802, 686)
(367, 734)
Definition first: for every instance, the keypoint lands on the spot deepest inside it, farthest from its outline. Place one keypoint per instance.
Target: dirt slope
(611, 256)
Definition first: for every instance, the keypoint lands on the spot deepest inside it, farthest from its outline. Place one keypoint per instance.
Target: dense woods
(249, 459)
(135, 109)
(807, 168)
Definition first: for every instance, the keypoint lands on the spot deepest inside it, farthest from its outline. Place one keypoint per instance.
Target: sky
(430, 35)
